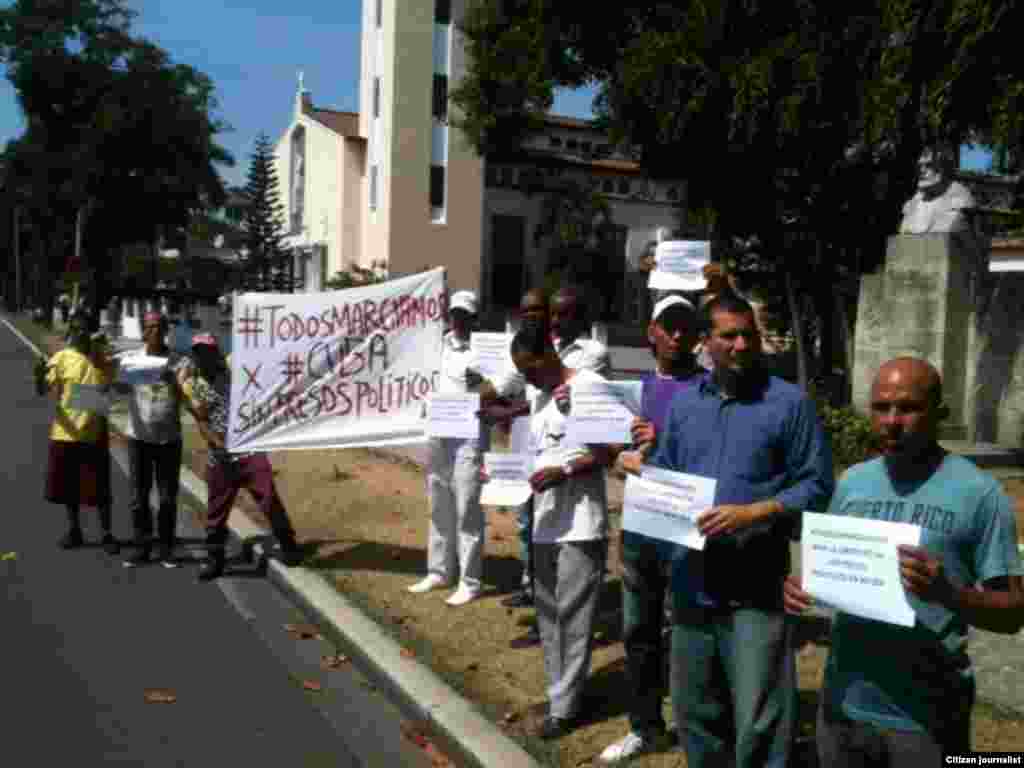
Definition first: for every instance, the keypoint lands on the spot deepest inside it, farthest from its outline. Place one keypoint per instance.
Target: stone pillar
(920, 304)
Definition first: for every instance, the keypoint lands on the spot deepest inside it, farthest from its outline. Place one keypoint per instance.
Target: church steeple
(303, 100)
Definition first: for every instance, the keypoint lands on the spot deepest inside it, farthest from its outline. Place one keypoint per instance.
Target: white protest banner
(88, 397)
(140, 369)
(852, 564)
(603, 411)
(453, 415)
(508, 479)
(679, 265)
(336, 369)
(490, 351)
(666, 505)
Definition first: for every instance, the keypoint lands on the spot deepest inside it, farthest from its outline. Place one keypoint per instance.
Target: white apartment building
(395, 186)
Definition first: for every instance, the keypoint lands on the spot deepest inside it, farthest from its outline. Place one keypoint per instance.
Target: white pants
(456, 542)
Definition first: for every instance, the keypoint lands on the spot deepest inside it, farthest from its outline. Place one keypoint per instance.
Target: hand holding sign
(922, 574)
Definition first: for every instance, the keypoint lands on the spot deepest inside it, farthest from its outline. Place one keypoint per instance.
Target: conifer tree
(268, 264)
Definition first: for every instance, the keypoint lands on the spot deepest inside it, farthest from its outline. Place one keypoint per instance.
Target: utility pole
(17, 259)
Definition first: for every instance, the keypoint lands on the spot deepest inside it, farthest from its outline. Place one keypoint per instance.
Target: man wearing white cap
(456, 539)
(651, 565)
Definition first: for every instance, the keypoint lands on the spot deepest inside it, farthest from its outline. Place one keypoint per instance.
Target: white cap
(670, 301)
(463, 300)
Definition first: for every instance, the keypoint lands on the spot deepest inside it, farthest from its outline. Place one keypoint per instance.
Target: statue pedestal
(920, 304)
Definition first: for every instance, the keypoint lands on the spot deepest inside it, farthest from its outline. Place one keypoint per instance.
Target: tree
(119, 141)
(787, 119)
(269, 266)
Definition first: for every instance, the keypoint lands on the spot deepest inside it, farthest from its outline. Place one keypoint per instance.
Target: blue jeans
(734, 681)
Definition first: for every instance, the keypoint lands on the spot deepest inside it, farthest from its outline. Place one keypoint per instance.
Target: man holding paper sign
(897, 695)
(732, 652)
(455, 543)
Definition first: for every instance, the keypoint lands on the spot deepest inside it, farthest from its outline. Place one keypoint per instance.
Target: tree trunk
(797, 326)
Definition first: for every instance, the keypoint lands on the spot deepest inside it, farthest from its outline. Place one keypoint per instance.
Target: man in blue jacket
(733, 674)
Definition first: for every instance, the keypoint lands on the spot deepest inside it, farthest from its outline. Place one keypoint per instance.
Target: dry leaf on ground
(302, 631)
(334, 661)
(312, 685)
(408, 654)
(159, 696)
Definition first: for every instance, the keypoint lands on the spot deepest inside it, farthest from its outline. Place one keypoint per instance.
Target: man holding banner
(902, 695)
(228, 473)
(759, 438)
(456, 538)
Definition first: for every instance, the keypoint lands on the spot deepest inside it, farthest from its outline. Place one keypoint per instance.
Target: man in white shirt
(568, 321)
(570, 529)
(456, 539)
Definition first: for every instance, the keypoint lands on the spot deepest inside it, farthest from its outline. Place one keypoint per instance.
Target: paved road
(83, 638)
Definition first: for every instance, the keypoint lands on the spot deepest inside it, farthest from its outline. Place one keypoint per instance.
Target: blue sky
(253, 50)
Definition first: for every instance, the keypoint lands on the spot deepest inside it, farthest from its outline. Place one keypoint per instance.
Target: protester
(649, 564)
(208, 399)
(569, 530)
(155, 445)
(902, 696)
(456, 538)
(78, 471)
(568, 320)
(733, 676)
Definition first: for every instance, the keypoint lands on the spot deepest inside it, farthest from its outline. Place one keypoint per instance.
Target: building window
(608, 186)
(570, 144)
(442, 11)
(373, 187)
(440, 109)
(376, 97)
(380, 13)
(508, 177)
(673, 193)
(585, 146)
(437, 191)
(623, 186)
(555, 141)
(491, 176)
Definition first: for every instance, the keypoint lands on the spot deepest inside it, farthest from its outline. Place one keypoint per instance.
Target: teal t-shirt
(919, 678)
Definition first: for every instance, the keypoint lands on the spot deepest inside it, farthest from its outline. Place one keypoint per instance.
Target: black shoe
(213, 567)
(141, 557)
(555, 727)
(166, 557)
(521, 599)
(530, 640)
(110, 544)
(72, 539)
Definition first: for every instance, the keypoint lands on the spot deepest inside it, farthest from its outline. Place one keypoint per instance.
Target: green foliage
(850, 435)
(268, 265)
(354, 277)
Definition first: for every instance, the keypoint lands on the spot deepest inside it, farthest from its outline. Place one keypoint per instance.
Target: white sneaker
(463, 595)
(629, 746)
(431, 582)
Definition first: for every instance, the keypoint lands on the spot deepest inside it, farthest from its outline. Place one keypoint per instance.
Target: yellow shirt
(65, 369)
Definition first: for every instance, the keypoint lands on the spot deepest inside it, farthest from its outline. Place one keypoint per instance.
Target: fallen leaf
(408, 654)
(334, 661)
(9, 556)
(302, 631)
(312, 685)
(472, 667)
(510, 717)
(159, 696)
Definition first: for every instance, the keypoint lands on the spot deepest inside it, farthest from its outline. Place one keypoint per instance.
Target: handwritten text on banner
(336, 369)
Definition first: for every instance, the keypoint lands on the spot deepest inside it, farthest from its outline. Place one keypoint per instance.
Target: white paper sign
(490, 353)
(666, 505)
(603, 411)
(335, 369)
(141, 369)
(508, 479)
(88, 397)
(520, 438)
(453, 415)
(852, 564)
(679, 265)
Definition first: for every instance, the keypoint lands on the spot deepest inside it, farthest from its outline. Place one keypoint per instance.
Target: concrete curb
(454, 722)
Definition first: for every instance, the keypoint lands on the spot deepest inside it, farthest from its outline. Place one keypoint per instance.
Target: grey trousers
(567, 585)
(455, 544)
(734, 687)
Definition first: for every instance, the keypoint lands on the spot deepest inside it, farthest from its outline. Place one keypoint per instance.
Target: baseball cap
(670, 301)
(204, 340)
(463, 300)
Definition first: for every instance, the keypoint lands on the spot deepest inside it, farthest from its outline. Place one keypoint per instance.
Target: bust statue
(938, 205)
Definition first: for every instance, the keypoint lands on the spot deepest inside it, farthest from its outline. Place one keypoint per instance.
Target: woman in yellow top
(78, 472)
